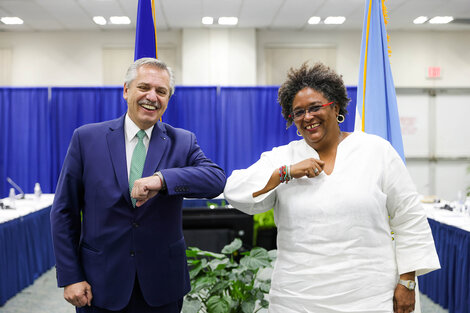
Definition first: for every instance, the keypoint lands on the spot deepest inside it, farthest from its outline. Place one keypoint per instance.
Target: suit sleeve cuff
(159, 174)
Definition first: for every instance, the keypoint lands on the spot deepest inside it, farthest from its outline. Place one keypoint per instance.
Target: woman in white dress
(337, 198)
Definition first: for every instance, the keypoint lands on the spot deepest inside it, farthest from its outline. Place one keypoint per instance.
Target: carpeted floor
(44, 297)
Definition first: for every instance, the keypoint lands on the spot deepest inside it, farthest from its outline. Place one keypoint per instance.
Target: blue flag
(146, 31)
(377, 111)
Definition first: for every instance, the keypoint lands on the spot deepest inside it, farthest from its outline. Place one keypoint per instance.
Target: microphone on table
(11, 182)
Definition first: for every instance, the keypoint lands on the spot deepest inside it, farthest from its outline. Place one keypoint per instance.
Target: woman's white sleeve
(243, 183)
(414, 244)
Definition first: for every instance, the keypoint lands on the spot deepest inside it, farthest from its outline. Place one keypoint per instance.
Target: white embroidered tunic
(335, 247)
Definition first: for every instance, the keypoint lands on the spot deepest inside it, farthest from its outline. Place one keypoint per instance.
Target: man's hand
(145, 189)
(78, 294)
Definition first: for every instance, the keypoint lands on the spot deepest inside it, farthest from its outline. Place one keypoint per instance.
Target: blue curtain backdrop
(25, 140)
(194, 109)
(233, 125)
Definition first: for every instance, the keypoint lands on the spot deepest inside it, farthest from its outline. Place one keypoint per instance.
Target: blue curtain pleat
(233, 125)
(72, 107)
(193, 108)
(348, 124)
(25, 138)
(449, 286)
(26, 245)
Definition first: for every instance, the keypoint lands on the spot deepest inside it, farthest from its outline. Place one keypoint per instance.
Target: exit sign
(434, 72)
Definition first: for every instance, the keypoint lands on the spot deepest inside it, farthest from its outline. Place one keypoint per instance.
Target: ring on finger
(315, 171)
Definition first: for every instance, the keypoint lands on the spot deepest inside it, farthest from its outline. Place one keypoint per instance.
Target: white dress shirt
(130, 131)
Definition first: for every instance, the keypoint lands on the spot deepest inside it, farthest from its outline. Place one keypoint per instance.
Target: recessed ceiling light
(334, 20)
(441, 19)
(207, 20)
(228, 20)
(99, 20)
(420, 20)
(314, 20)
(119, 20)
(13, 20)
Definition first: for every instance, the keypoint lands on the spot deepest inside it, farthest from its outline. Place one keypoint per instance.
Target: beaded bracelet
(284, 174)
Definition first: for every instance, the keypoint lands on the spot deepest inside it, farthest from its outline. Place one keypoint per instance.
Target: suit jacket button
(132, 253)
(135, 225)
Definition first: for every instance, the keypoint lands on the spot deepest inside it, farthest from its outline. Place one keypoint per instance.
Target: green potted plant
(230, 281)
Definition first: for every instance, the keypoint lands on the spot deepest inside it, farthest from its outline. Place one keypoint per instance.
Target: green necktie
(137, 163)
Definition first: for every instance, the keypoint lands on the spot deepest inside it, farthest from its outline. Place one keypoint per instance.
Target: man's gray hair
(132, 71)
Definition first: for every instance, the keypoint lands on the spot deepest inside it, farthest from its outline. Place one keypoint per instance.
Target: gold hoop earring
(340, 118)
(298, 133)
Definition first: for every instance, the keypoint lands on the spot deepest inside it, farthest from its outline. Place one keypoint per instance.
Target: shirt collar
(132, 129)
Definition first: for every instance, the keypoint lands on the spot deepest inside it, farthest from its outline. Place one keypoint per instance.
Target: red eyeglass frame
(322, 105)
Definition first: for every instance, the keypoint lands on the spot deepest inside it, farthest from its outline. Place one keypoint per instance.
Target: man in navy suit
(114, 254)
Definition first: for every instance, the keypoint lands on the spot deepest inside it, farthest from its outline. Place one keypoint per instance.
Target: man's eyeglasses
(299, 114)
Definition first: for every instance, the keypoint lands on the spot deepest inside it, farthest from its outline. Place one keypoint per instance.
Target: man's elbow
(218, 183)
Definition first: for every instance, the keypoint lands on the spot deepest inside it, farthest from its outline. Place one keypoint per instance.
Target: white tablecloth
(25, 206)
(452, 218)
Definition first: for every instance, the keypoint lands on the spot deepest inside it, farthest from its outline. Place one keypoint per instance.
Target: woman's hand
(403, 300)
(308, 167)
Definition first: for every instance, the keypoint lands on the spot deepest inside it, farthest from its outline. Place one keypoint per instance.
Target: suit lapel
(157, 147)
(117, 151)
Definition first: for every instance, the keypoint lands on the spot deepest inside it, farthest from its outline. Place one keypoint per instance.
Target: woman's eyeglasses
(299, 114)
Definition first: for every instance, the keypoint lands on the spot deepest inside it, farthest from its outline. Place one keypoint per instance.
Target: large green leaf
(241, 290)
(195, 270)
(272, 254)
(217, 304)
(192, 252)
(219, 287)
(216, 265)
(258, 294)
(258, 257)
(259, 252)
(203, 282)
(264, 303)
(211, 254)
(191, 306)
(264, 287)
(233, 246)
(248, 306)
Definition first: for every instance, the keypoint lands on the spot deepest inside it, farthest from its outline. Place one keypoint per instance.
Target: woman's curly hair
(320, 78)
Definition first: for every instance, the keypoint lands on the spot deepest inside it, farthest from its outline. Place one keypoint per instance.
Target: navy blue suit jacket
(115, 241)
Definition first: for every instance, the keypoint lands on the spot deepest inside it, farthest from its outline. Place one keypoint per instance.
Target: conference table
(449, 286)
(25, 243)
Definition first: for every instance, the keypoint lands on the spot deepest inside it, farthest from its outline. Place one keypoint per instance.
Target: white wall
(230, 56)
(219, 57)
(412, 54)
(65, 58)
(348, 45)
